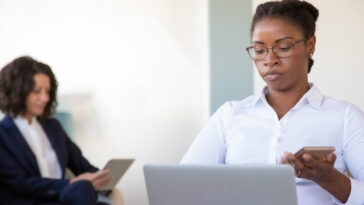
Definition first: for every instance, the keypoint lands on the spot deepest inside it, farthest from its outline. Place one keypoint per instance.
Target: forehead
(271, 29)
(41, 79)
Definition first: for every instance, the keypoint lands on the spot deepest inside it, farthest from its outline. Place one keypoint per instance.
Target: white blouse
(249, 131)
(38, 142)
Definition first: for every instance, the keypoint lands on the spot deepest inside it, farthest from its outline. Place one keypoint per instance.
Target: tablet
(117, 168)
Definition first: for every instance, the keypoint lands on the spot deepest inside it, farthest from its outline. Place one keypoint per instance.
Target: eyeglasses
(281, 49)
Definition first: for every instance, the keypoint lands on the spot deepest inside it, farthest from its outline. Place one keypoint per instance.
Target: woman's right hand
(98, 179)
(310, 167)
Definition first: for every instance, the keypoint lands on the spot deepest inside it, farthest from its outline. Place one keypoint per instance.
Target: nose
(271, 59)
(45, 96)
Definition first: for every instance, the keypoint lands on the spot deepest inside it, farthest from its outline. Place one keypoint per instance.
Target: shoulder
(348, 112)
(339, 105)
(51, 123)
(241, 106)
(7, 125)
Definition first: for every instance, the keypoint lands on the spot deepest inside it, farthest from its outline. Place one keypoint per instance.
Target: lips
(40, 106)
(272, 75)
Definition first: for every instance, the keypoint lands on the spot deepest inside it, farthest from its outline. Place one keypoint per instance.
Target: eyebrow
(287, 37)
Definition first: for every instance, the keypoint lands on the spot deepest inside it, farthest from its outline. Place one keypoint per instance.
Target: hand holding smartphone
(317, 152)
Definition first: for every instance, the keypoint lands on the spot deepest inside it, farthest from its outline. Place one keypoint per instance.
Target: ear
(311, 45)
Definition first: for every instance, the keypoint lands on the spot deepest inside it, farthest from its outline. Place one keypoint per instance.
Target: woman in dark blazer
(34, 149)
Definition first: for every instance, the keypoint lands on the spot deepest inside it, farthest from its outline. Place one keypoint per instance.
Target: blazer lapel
(52, 136)
(18, 146)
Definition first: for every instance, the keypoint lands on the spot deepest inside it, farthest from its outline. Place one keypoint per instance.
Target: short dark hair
(299, 13)
(17, 81)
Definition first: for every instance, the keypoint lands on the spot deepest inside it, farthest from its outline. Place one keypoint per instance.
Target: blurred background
(139, 78)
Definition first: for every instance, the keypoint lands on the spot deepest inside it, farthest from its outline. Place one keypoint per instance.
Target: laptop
(220, 184)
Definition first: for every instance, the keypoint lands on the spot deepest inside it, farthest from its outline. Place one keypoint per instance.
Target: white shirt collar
(313, 96)
(24, 122)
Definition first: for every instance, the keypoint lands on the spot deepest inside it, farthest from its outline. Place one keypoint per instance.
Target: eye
(259, 50)
(36, 91)
(284, 47)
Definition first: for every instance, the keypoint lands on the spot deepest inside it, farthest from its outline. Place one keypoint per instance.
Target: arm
(353, 151)
(322, 172)
(344, 189)
(76, 162)
(80, 166)
(209, 146)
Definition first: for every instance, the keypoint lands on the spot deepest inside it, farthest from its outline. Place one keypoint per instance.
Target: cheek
(259, 65)
(28, 105)
(295, 63)
(299, 58)
(30, 101)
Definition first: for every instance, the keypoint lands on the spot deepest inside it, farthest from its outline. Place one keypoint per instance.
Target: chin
(38, 113)
(279, 86)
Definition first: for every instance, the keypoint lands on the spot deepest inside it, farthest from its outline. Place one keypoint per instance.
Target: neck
(283, 101)
(28, 117)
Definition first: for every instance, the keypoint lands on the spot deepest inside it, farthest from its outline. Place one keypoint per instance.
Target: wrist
(72, 180)
(327, 178)
(336, 183)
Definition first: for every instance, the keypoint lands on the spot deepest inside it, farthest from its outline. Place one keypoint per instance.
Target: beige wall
(338, 69)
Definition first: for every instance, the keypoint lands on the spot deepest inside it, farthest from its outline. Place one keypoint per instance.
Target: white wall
(338, 70)
(133, 73)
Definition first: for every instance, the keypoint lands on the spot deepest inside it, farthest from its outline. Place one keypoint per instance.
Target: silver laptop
(220, 184)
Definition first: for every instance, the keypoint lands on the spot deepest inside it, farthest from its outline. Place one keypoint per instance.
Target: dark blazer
(20, 179)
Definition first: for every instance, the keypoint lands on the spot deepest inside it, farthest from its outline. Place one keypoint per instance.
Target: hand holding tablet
(117, 168)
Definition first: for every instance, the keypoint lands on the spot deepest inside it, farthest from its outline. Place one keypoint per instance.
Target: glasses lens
(283, 48)
(257, 52)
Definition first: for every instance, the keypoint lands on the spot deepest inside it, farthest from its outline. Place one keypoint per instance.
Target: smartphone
(318, 152)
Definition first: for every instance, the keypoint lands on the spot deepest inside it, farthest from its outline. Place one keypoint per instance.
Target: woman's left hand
(310, 167)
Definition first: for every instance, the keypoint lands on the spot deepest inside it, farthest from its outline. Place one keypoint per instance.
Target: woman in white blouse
(290, 113)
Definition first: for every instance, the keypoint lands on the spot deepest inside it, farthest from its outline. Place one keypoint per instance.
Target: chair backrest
(65, 119)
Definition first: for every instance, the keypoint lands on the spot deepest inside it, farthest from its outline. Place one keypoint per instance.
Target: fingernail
(306, 157)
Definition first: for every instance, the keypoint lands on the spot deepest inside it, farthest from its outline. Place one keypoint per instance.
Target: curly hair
(300, 13)
(17, 81)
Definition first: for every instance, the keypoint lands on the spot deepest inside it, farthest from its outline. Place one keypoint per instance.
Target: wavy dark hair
(17, 81)
(300, 13)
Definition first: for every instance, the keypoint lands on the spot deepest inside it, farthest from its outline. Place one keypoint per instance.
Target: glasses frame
(267, 48)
